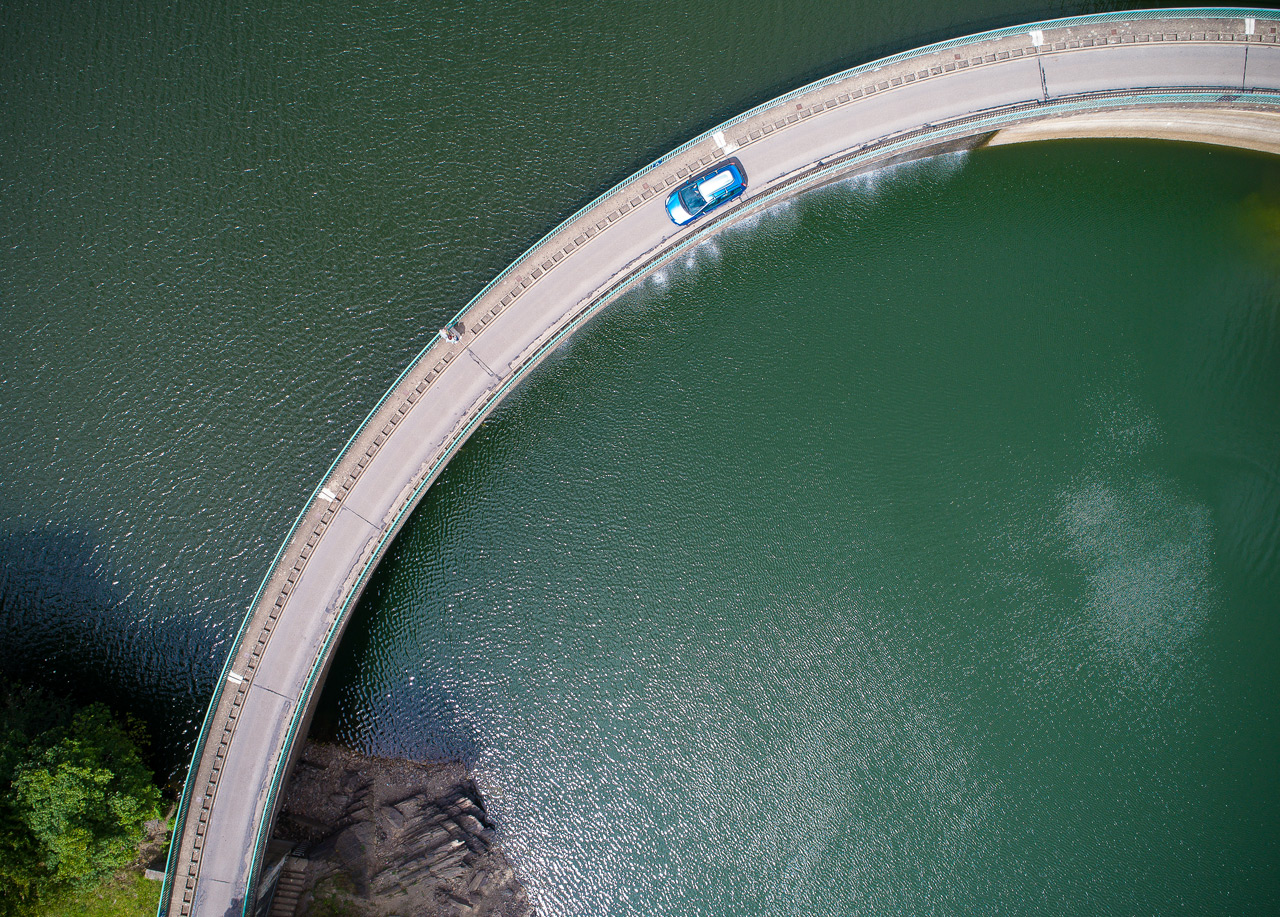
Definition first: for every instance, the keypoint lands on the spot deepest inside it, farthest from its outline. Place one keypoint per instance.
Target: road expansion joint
(482, 364)
(347, 509)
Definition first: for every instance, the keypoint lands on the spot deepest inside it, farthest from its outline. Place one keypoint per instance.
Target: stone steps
(289, 888)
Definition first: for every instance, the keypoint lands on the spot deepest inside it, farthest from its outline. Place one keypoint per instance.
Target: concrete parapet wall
(1250, 130)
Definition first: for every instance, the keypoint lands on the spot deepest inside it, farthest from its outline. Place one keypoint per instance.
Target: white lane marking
(1037, 37)
(1249, 25)
(234, 678)
(718, 137)
(328, 495)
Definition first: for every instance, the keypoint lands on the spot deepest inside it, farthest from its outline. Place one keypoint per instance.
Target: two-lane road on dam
(1211, 75)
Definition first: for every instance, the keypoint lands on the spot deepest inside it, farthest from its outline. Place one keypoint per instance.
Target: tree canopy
(74, 796)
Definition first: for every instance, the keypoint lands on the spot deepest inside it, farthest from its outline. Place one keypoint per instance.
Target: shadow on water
(60, 621)
(441, 731)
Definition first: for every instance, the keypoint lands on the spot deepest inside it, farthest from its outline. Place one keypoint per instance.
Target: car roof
(717, 182)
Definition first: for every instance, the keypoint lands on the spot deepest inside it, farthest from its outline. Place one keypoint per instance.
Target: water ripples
(799, 587)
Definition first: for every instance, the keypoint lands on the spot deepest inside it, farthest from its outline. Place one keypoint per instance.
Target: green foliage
(128, 895)
(75, 796)
(332, 897)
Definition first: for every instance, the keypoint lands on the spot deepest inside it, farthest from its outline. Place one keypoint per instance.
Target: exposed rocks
(394, 838)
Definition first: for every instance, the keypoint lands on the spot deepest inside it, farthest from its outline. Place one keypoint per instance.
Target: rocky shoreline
(379, 837)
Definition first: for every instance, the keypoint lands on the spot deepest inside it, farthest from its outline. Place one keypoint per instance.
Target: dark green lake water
(911, 550)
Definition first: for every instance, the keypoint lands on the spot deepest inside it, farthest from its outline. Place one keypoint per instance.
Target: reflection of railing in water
(316, 628)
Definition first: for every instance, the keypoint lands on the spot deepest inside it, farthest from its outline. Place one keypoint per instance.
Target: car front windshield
(691, 199)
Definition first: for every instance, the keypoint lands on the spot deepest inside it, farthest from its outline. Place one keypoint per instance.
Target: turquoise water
(910, 550)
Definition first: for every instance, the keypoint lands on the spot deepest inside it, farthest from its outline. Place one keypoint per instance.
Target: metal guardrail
(1093, 101)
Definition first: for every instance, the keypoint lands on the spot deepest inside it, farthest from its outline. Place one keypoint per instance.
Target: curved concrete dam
(1207, 75)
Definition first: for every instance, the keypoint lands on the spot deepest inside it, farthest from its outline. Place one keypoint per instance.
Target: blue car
(706, 191)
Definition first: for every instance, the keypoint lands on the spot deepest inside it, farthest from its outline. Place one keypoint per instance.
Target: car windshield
(691, 199)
